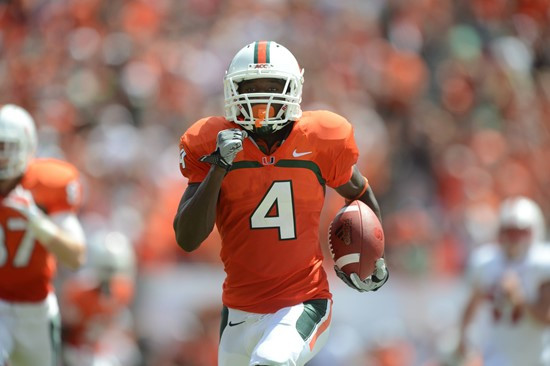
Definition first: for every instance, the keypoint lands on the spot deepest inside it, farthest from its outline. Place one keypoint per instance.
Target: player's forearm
(196, 216)
(467, 317)
(370, 200)
(67, 248)
(69, 251)
(470, 310)
(357, 188)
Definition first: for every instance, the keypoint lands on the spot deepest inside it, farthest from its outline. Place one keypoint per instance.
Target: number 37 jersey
(26, 267)
(269, 208)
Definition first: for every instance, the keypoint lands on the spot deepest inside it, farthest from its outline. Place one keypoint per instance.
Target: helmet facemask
(521, 223)
(12, 159)
(242, 109)
(17, 141)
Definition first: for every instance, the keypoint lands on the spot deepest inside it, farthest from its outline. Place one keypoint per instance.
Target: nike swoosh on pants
(233, 324)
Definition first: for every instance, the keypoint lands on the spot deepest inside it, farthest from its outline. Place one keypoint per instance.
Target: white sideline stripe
(347, 259)
(348, 209)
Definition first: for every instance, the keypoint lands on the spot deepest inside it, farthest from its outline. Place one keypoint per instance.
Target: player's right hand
(22, 201)
(228, 144)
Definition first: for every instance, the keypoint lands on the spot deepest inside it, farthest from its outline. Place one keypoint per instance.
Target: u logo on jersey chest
(268, 160)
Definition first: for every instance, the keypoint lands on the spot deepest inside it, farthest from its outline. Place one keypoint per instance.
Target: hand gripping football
(356, 239)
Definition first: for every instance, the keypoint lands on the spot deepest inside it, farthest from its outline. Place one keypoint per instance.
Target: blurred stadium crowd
(451, 105)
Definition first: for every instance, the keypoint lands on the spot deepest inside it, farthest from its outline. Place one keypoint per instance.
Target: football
(356, 239)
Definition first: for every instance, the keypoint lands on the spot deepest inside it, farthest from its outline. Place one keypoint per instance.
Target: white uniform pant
(289, 337)
(30, 333)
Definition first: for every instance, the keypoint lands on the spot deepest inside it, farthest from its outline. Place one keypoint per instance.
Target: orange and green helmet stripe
(261, 52)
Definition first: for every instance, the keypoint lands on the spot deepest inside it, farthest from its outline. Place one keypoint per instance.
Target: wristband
(216, 159)
(350, 200)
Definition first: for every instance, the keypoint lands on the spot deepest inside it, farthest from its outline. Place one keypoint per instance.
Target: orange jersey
(26, 267)
(89, 309)
(270, 205)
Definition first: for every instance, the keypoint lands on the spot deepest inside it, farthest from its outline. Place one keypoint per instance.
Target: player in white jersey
(512, 277)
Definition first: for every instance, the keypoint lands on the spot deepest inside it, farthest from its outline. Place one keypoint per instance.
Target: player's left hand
(22, 201)
(372, 283)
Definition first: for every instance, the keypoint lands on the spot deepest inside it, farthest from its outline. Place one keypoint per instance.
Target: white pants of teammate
(289, 337)
(30, 333)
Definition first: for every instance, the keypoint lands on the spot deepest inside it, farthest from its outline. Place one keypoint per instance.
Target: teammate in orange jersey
(38, 225)
(260, 174)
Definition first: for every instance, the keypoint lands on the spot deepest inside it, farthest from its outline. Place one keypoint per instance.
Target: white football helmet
(263, 59)
(17, 141)
(522, 213)
(111, 254)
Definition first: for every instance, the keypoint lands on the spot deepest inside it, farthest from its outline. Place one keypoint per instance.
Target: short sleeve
(68, 197)
(345, 159)
(190, 165)
(197, 141)
(540, 254)
(55, 185)
(333, 137)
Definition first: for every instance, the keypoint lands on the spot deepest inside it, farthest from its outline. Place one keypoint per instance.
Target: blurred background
(450, 100)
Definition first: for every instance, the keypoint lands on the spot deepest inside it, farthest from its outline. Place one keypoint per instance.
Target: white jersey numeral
(25, 247)
(279, 198)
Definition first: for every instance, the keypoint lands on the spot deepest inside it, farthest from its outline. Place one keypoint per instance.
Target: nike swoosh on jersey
(233, 324)
(297, 154)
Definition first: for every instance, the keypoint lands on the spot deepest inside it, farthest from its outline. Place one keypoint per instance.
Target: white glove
(42, 227)
(228, 143)
(371, 283)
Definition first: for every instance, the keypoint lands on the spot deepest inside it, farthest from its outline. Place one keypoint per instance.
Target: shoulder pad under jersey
(54, 184)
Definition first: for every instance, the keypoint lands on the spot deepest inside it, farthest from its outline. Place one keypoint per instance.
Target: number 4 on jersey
(276, 210)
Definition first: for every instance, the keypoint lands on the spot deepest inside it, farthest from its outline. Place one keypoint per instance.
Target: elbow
(188, 240)
(188, 248)
(191, 233)
(186, 243)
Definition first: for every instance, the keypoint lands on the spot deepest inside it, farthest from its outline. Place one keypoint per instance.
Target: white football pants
(289, 337)
(30, 333)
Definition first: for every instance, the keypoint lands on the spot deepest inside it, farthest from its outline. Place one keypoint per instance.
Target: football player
(512, 277)
(259, 173)
(38, 225)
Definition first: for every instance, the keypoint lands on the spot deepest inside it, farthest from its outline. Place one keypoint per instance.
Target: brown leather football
(356, 239)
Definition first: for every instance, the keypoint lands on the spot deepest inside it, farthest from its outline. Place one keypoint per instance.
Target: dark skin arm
(354, 187)
(357, 189)
(196, 213)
